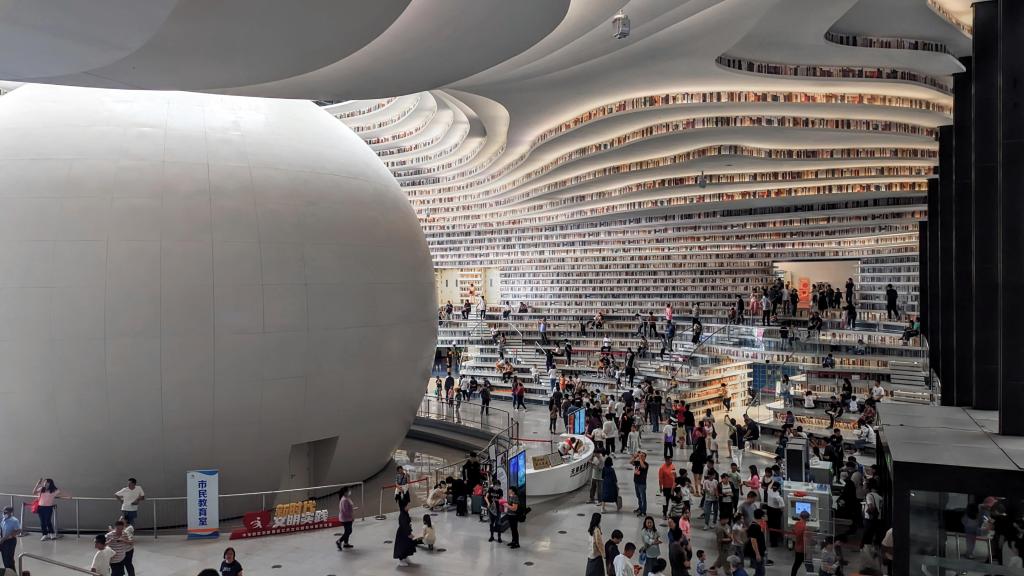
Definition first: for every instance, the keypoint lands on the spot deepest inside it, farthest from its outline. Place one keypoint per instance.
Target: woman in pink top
(46, 492)
(754, 483)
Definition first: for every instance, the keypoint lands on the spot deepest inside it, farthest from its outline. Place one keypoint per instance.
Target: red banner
(285, 519)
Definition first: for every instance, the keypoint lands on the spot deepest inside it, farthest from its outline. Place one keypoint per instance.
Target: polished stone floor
(552, 540)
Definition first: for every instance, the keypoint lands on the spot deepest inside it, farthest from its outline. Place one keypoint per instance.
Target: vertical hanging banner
(203, 496)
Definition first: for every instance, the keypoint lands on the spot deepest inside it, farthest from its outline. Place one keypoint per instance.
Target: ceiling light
(620, 23)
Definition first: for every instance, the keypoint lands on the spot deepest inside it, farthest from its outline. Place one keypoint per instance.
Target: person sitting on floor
(429, 537)
(437, 497)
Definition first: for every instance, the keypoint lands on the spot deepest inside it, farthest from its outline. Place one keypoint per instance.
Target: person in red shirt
(799, 536)
(666, 482)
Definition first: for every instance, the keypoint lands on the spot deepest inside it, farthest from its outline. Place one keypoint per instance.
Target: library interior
(485, 263)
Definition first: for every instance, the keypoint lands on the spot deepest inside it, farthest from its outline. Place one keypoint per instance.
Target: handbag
(35, 506)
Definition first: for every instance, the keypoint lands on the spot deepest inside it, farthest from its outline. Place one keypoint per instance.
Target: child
(687, 493)
(684, 523)
(428, 537)
(633, 441)
(702, 568)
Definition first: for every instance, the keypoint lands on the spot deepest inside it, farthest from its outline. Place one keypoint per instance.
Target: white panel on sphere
(191, 281)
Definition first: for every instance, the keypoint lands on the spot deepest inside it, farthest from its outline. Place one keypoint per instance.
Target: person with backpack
(873, 503)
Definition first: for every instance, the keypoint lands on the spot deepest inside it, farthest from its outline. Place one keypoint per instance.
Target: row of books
(941, 10)
(372, 106)
(847, 39)
(665, 128)
(441, 206)
(655, 101)
(815, 71)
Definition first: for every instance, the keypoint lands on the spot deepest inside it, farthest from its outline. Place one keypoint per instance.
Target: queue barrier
(178, 502)
(380, 500)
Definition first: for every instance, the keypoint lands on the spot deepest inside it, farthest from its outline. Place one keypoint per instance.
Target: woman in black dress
(404, 544)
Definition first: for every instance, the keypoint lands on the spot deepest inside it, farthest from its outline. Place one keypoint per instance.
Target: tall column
(962, 245)
(922, 275)
(984, 212)
(947, 269)
(1010, 211)
(935, 291)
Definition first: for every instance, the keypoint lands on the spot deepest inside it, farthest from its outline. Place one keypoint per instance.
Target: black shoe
(348, 546)
(491, 539)
(338, 544)
(513, 546)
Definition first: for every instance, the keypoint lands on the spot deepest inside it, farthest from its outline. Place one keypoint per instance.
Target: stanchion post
(154, 520)
(78, 527)
(362, 498)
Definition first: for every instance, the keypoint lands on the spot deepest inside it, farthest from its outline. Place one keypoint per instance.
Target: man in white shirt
(101, 561)
(877, 392)
(553, 378)
(130, 496)
(623, 563)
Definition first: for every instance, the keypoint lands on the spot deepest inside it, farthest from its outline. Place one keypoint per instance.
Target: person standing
(130, 496)
(542, 327)
(723, 540)
(101, 560)
(404, 545)
(666, 483)
(609, 485)
(10, 529)
(756, 544)
(640, 467)
(401, 488)
(346, 515)
(623, 563)
(799, 542)
(849, 290)
(512, 515)
(229, 565)
(651, 542)
(596, 474)
(46, 493)
(595, 545)
(121, 543)
(493, 502)
(891, 298)
(775, 505)
(485, 398)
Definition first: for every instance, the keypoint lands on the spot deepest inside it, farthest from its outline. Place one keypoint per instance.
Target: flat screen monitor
(809, 506)
(578, 422)
(517, 469)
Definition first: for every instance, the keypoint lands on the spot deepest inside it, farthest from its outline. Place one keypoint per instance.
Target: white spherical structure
(192, 281)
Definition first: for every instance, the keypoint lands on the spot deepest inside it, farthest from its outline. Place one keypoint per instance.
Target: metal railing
(430, 407)
(179, 515)
(50, 561)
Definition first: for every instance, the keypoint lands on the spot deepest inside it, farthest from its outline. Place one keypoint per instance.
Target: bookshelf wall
(674, 196)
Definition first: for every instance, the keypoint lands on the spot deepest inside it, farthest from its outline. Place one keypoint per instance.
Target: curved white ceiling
(311, 49)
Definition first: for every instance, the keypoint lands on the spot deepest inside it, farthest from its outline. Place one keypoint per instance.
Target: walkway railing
(174, 506)
(502, 426)
(50, 561)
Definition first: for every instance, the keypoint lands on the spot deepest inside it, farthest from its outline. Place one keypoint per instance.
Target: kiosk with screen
(517, 476)
(815, 499)
(578, 422)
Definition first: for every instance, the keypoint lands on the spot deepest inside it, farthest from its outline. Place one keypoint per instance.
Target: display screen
(800, 507)
(517, 469)
(578, 422)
